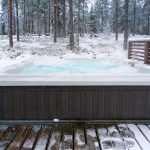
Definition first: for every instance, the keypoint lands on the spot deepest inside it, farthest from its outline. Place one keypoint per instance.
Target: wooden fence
(139, 50)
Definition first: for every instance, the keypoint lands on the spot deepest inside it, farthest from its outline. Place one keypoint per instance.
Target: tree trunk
(49, 16)
(58, 22)
(102, 19)
(38, 18)
(3, 5)
(3, 29)
(126, 25)
(78, 23)
(116, 20)
(148, 23)
(28, 18)
(134, 17)
(139, 26)
(32, 22)
(71, 30)
(64, 18)
(55, 21)
(10, 24)
(17, 20)
(83, 21)
(24, 17)
(45, 20)
(13, 19)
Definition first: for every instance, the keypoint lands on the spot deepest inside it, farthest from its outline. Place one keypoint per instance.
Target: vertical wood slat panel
(129, 50)
(71, 103)
(146, 61)
(1, 104)
(139, 50)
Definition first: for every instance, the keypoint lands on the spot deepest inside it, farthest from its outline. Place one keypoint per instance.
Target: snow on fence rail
(139, 50)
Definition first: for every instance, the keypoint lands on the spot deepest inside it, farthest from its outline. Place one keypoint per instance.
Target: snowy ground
(30, 46)
(33, 45)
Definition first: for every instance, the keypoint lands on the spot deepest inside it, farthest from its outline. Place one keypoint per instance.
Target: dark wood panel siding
(96, 103)
(1, 104)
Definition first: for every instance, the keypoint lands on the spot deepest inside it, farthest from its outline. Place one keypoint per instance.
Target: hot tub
(77, 96)
(74, 66)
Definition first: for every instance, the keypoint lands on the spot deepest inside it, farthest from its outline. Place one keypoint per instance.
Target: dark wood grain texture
(75, 103)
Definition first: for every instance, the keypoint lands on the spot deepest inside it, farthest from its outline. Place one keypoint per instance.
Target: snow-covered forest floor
(30, 46)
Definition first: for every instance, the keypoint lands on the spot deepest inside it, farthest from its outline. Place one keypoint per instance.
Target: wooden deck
(73, 136)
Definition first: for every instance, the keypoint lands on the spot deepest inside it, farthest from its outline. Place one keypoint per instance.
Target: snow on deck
(75, 136)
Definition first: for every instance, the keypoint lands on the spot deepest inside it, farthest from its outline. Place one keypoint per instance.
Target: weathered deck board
(67, 138)
(55, 138)
(92, 139)
(7, 137)
(19, 138)
(42, 140)
(2, 129)
(145, 130)
(116, 139)
(31, 137)
(75, 137)
(105, 142)
(128, 137)
(79, 142)
(139, 137)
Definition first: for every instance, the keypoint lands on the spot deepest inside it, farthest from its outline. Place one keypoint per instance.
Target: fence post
(129, 50)
(146, 53)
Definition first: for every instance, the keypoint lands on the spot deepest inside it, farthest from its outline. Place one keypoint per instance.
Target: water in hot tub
(74, 66)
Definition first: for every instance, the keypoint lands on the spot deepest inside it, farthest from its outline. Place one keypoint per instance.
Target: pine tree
(24, 17)
(10, 24)
(32, 16)
(45, 17)
(134, 16)
(17, 20)
(116, 19)
(64, 18)
(78, 23)
(93, 28)
(83, 20)
(2, 16)
(126, 25)
(55, 21)
(49, 15)
(38, 18)
(71, 28)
